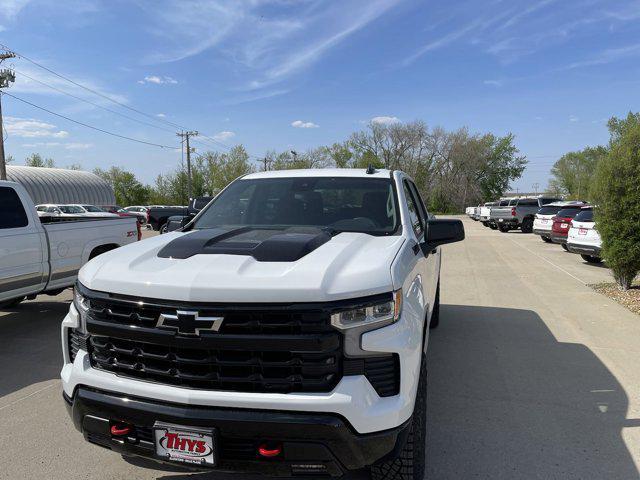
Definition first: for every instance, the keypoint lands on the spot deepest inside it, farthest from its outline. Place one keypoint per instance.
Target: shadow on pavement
(508, 401)
(30, 344)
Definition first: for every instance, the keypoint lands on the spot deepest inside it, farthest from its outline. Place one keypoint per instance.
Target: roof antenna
(370, 170)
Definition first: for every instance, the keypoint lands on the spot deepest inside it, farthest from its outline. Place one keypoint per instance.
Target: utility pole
(185, 136)
(535, 187)
(7, 76)
(264, 160)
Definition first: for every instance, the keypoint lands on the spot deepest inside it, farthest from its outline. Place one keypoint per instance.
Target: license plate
(544, 222)
(564, 225)
(185, 444)
(582, 231)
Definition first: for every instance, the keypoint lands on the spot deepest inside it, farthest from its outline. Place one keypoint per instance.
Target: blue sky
(296, 74)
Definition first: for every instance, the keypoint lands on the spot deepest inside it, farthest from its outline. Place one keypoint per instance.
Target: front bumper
(584, 249)
(312, 443)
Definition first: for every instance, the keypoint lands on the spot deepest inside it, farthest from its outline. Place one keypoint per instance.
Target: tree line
(452, 169)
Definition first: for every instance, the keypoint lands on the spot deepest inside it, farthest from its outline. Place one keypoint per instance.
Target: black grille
(219, 369)
(238, 320)
(77, 341)
(271, 349)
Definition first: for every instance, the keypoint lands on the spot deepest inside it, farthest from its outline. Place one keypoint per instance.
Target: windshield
(549, 210)
(337, 203)
(71, 209)
(92, 208)
(569, 212)
(585, 216)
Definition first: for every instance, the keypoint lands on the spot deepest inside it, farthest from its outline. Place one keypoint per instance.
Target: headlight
(82, 306)
(378, 314)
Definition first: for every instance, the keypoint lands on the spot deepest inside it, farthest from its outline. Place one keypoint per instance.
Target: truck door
(418, 222)
(432, 258)
(21, 251)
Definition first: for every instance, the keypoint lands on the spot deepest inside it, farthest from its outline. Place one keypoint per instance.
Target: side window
(415, 215)
(12, 214)
(416, 195)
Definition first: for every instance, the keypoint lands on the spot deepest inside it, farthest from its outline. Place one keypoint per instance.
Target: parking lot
(532, 374)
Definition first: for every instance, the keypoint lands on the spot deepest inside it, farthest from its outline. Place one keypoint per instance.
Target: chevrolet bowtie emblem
(189, 323)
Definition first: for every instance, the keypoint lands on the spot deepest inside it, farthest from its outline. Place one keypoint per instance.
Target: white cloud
(157, 80)
(573, 118)
(10, 8)
(385, 120)
(609, 56)
(32, 128)
(264, 48)
(161, 115)
(222, 136)
(77, 146)
(493, 83)
(301, 124)
(66, 146)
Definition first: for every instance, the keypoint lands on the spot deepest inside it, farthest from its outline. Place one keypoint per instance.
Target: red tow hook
(120, 429)
(269, 450)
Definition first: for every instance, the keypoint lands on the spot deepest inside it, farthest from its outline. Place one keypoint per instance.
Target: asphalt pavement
(532, 375)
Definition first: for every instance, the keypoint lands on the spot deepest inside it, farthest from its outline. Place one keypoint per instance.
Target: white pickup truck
(283, 331)
(44, 255)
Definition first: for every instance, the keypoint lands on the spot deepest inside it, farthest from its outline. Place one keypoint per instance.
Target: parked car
(484, 215)
(179, 221)
(476, 213)
(121, 212)
(140, 211)
(44, 254)
(543, 221)
(562, 223)
(289, 322)
(583, 238)
(93, 211)
(520, 213)
(158, 216)
(49, 210)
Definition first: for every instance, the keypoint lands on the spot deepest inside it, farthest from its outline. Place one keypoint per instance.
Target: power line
(95, 92)
(107, 97)
(90, 126)
(93, 103)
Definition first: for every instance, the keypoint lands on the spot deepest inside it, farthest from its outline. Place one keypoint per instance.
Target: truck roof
(320, 172)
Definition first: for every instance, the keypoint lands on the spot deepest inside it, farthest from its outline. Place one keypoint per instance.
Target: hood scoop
(265, 245)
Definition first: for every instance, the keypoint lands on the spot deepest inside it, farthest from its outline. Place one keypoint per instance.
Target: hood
(247, 266)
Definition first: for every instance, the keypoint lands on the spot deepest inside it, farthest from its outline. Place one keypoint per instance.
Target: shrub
(617, 193)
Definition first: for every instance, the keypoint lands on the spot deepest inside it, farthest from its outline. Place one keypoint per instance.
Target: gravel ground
(629, 298)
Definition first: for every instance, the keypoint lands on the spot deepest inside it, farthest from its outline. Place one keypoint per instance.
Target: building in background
(57, 185)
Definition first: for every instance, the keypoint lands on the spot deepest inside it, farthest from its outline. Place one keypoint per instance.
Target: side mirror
(440, 232)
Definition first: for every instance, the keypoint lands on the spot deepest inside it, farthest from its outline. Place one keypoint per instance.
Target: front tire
(410, 464)
(564, 245)
(527, 225)
(546, 239)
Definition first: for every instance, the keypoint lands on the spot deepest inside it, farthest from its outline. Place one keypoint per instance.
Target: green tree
(572, 174)
(617, 193)
(499, 164)
(36, 160)
(128, 190)
(8, 159)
